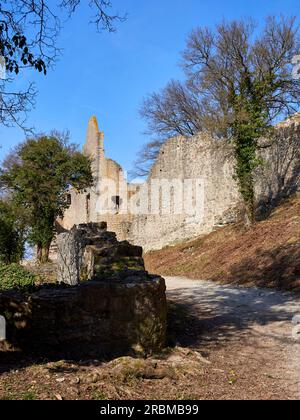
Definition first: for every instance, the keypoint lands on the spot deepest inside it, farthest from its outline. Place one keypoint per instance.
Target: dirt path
(246, 334)
(225, 342)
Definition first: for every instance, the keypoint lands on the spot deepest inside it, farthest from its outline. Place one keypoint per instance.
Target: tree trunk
(250, 200)
(39, 252)
(43, 253)
(249, 215)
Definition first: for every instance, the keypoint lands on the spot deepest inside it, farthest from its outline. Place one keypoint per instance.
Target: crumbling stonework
(201, 158)
(279, 177)
(89, 251)
(106, 303)
(96, 318)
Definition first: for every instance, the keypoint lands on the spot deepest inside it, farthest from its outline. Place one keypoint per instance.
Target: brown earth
(225, 343)
(266, 254)
(170, 375)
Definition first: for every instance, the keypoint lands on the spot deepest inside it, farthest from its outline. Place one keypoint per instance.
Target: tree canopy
(37, 176)
(12, 233)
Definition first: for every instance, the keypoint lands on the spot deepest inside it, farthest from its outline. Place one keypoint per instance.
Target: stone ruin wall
(104, 303)
(208, 160)
(93, 319)
(180, 158)
(279, 177)
(201, 159)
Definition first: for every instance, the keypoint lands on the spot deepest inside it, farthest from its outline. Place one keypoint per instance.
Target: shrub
(16, 277)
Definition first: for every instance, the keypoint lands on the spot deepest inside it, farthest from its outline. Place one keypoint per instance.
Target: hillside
(266, 255)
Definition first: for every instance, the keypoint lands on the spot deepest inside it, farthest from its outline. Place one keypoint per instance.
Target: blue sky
(109, 74)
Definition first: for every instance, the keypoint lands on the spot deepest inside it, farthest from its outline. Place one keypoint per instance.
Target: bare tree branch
(233, 76)
(29, 31)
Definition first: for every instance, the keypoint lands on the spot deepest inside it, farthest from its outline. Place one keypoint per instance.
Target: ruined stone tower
(128, 208)
(101, 202)
(94, 146)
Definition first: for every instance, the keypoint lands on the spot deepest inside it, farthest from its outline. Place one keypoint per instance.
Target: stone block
(93, 318)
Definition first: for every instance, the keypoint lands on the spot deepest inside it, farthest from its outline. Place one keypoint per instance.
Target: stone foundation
(96, 318)
(200, 158)
(89, 251)
(105, 303)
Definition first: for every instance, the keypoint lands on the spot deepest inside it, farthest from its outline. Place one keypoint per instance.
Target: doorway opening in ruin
(117, 202)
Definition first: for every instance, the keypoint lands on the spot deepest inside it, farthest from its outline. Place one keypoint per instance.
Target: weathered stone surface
(106, 303)
(95, 318)
(2, 328)
(88, 251)
(200, 158)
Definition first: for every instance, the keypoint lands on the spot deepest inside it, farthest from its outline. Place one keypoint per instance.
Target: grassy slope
(267, 254)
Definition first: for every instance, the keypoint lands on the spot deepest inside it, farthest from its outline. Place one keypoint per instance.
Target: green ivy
(250, 123)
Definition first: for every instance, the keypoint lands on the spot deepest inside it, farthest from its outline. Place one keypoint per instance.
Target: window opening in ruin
(117, 202)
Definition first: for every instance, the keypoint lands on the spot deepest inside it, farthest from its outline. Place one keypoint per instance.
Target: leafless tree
(176, 110)
(241, 83)
(145, 159)
(29, 31)
(232, 62)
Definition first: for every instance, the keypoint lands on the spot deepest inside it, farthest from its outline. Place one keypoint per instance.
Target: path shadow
(10, 361)
(205, 318)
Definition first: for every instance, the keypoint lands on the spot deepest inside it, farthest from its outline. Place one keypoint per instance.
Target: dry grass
(267, 254)
(171, 375)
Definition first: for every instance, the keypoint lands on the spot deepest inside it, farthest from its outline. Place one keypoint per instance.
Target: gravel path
(246, 334)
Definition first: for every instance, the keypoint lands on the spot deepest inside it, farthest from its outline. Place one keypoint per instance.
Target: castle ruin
(190, 190)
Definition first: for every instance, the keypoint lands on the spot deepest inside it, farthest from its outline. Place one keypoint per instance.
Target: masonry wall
(279, 177)
(93, 319)
(210, 164)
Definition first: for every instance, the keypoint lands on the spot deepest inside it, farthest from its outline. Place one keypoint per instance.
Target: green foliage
(250, 123)
(12, 234)
(15, 277)
(122, 264)
(29, 30)
(38, 176)
(17, 52)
